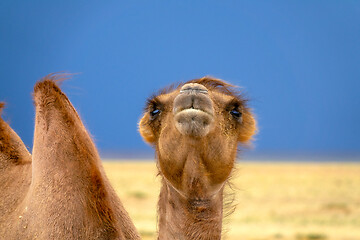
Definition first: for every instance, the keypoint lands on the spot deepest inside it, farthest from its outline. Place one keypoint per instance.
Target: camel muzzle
(193, 110)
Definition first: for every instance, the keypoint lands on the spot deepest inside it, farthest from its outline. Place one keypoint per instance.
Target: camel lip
(193, 111)
(194, 122)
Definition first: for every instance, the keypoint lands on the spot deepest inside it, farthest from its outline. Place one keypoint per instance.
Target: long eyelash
(150, 103)
(235, 103)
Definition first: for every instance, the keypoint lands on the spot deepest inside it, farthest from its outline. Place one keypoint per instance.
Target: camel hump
(12, 149)
(68, 173)
(47, 93)
(60, 135)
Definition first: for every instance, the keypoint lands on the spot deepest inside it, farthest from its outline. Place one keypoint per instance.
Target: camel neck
(184, 219)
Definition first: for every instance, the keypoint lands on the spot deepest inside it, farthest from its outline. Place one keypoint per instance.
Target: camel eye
(154, 113)
(236, 113)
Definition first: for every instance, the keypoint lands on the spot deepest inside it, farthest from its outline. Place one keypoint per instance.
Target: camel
(195, 129)
(60, 191)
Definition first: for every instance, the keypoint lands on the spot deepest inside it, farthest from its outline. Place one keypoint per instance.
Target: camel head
(195, 129)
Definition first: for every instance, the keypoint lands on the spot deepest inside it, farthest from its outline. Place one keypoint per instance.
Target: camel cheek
(248, 128)
(170, 149)
(145, 130)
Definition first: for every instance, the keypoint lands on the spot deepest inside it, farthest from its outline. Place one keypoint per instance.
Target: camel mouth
(194, 111)
(193, 122)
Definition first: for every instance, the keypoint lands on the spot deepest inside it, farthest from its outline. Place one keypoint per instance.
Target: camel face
(195, 129)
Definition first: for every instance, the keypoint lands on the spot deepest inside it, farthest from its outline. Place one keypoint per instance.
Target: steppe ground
(274, 200)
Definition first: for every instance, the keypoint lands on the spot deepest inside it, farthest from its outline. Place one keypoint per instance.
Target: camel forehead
(167, 97)
(217, 88)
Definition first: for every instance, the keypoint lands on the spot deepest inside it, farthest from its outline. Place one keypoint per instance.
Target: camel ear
(145, 129)
(248, 128)
(12, 150)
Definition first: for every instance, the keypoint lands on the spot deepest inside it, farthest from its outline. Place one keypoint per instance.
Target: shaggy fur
(62, 193)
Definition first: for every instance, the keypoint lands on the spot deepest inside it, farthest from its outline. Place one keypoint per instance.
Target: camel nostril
(193, 96)
(193, 88)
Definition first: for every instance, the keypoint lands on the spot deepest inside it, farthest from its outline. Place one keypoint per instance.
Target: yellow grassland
(274, 200)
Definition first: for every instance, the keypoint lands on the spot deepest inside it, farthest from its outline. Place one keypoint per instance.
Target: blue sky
(298, 62)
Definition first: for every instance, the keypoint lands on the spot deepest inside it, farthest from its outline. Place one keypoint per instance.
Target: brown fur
(63, 192)
(194, 169)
